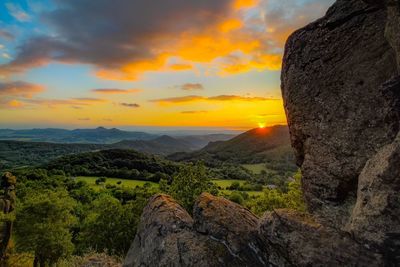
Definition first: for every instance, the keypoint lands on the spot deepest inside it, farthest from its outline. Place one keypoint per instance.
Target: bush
(188, 184)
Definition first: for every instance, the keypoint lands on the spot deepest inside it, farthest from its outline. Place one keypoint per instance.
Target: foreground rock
(222, 232)
(297, 239)
(338, 112)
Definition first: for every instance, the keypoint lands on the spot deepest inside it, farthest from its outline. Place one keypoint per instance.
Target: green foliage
(276, 199)
(188, 184)
(110, 225)
(42, 225)
(118, 163)
(101, 180)
(236, 197)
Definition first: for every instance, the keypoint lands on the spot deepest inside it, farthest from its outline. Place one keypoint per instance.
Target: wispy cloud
(115, 91)
(6, 35)
(130, 105)
(193, 98)
(191, 86)
(17, 12)
(19, 89)
(83, 119)
(194, 112)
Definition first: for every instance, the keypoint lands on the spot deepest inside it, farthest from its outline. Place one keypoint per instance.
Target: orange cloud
(115, 91)
(194, 112)
(220, 98)
(19, 89)
(204, 33)
(15, 104)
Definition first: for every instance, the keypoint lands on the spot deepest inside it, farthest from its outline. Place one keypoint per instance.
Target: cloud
(19, 89)
(17, 12)
(194, 112)
(123, 41)
(130, 105)
(5, 55)
(6, 35)
(15, 104)
(115, 91)
(195, 98)
(83, 119)
(75, 103)
(191, 86)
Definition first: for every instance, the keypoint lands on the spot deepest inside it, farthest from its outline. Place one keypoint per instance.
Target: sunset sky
(123, 63)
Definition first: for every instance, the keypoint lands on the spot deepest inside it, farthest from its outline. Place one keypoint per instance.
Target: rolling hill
(260, 145)
(23, 153)
(98, 135)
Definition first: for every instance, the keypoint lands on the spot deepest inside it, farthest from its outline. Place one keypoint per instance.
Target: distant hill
(260, 145)
(163, 145)
(200, 141)
(98, 135)
(119, 163)
(21, 153)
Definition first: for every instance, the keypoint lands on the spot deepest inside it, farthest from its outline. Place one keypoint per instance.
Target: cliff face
(341, 90)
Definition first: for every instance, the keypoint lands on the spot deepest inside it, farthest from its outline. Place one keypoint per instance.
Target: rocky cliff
(341, 90)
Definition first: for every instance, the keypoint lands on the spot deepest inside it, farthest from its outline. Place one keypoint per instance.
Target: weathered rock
(232, 225)
(296, 239)
(168, 236)
(338, 114)
(375, 219)
(392, 31)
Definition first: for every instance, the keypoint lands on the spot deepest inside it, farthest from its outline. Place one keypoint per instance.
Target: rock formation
(220, 232)
(341, 91)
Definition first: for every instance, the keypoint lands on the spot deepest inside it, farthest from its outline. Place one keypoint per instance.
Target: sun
(261, 125)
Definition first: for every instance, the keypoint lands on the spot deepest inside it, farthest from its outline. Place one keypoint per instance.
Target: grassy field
(91, 181)
(255, 168)
(225, 183)
(113, 181)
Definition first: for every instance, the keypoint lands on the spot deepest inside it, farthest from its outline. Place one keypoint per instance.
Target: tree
(42, 226)
(100, 180)
(189, 183)
(110, 226)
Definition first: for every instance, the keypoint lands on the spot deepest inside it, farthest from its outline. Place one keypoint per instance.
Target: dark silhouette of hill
(271, 144)
(98, 135)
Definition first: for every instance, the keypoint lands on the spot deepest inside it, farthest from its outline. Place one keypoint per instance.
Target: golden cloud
(115, 91)
(220, 98)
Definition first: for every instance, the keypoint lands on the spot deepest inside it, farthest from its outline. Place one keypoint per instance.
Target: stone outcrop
(339, 114)
(341, 91)
(375, 218)
(297, 239)
(222, 232)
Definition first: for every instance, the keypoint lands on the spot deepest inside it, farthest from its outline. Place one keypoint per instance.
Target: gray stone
(168, 236)
(297, 239)
(375, 218)
(338, 114)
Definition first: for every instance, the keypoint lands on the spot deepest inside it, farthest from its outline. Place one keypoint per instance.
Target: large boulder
(338, 113)
(297, 239)
(222, 234)
(375, 218)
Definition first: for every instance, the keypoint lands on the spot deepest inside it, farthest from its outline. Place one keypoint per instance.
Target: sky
(141, 63)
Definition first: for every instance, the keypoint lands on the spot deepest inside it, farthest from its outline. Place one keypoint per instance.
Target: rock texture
(298, 239)
(341, 90)
(339, 114)
(222, 232)
(375, 219)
